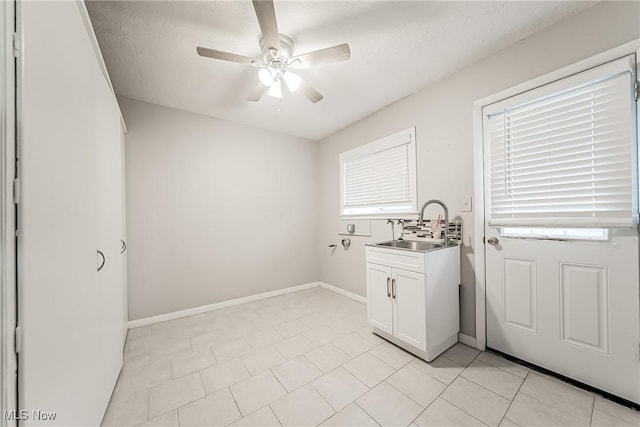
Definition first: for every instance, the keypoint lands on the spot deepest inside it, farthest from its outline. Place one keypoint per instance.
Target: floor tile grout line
(466, 412)
(149, 405)
(325, 401)
(494, 367)
(460, 376)
(549, 405)
(397, 369)
(275, 414)
(279, 382)
(512, 400)
(365, 411)
(500, 367)
(436, 398)
(488, 389)
(440, 397)
(184, 404)
(237, 406)
(593, 409)
(403, 393)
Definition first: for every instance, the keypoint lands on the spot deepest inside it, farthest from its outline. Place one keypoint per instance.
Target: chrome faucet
(401, 224)
(393, 228)
(446, 217)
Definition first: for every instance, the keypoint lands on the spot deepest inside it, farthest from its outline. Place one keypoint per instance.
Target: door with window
(561, 191)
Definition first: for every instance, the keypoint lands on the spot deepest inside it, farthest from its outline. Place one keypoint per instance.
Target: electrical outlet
(467, 204)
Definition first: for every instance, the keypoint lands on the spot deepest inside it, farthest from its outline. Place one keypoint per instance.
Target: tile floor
(308, 358)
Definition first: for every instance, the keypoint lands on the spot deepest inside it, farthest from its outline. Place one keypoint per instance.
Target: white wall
(215, 211)
(442, 114)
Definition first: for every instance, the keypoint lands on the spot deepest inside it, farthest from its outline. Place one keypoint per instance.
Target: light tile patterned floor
(309, 358)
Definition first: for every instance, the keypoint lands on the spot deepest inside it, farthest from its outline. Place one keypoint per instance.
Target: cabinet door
(379, 307)
(409, 308)
(69, 361)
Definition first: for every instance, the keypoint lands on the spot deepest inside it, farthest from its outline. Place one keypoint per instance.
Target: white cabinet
(409, 307)
(71, 315)
(412, 298)
(379, 306)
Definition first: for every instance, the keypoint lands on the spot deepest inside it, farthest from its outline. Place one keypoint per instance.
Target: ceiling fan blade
(324, 56)
(310, 93)
(225, 56)
(266, 14)
(257, 93)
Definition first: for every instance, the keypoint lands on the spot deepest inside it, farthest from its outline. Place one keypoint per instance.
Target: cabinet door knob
(388, 290)
(492, 241)
(393, 288)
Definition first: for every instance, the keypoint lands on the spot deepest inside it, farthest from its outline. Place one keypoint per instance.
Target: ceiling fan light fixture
(277, 58)
(266, 76)
(292, 80)
(275, 90)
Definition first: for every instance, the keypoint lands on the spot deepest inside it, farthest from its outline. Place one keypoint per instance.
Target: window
(565, 154)
(379, 178)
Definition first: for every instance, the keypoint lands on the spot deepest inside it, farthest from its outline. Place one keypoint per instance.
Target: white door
(408, 294)
(379, 306)
(67, 363)
(570, 306)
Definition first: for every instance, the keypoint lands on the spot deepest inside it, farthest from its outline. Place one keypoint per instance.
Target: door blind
(566, 159)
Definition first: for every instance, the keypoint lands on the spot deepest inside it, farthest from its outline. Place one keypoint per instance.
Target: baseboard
(342, 292)
(146, 321)
(467, 339)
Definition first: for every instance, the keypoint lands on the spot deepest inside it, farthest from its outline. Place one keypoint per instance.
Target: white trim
(146, 321)
(8, 301)
(478, 183)
(344, 293)
(217, 306)
(479, 217)
(84, 13)
(467, 339)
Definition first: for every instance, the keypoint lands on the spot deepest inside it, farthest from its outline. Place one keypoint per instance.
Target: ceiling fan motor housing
(284, 54)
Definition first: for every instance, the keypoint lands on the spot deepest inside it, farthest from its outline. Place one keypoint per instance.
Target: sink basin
(409, 245)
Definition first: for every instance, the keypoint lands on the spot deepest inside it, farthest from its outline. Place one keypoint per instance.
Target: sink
(409, 245)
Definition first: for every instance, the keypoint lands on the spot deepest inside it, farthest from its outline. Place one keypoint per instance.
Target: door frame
(478, 163)
(8, 297)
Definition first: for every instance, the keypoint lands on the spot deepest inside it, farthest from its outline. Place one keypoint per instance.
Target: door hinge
(16, 45)
(16, 191)
(637, 90)
(18, 339)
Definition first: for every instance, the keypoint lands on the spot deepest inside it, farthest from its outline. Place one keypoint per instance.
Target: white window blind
(379, 177)
(566, 155)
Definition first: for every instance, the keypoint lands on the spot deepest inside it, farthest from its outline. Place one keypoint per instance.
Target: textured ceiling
(397, 48)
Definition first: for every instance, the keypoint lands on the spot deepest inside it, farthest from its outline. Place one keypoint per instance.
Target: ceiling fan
(277, 64)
